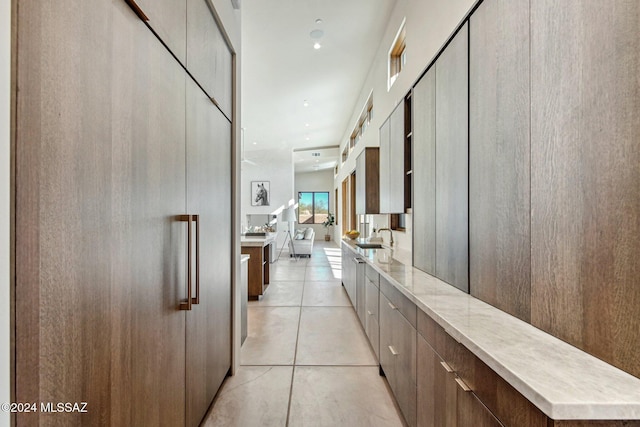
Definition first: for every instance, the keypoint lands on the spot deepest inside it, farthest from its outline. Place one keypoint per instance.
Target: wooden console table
(259, 250)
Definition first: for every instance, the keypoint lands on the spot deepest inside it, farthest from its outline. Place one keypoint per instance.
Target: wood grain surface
(499, 156)
(452, 163)
(585, 180)
(100, 176)
(168, 19)
(208, 338)
(209, 58)
(424, 173)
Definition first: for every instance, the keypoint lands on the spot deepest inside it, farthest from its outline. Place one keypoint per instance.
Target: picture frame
(260, 193)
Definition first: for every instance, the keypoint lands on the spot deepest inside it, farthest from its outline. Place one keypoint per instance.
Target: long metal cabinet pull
(196, 219)
(186, 305)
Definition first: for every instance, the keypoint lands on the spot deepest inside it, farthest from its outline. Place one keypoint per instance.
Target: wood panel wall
(585, 176)
(499, 156)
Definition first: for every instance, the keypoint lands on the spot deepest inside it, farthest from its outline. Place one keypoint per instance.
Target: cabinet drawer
(507, 404)
(398, 357)
(372, 275)
(399, 301)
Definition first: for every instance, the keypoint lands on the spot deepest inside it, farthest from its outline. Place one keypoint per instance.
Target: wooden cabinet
(209, 59)
(440, 166)
(392, 162)
(452, 163)
(398, 347)
(208, 339)
(168, 19)
(424, 172)
(260, 253)
(435, 387)
(106, 166)
(349, 273)
(371, 296)
(100, 177)
(385, 153)
(368, 181)
(499, 156)
(585, 181)
(353, 280)
(467, 392)
(360, 290)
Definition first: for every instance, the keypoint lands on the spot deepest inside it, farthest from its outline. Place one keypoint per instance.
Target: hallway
(306, 360)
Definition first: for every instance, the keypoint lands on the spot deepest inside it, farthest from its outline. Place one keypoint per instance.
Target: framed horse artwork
(260, 193)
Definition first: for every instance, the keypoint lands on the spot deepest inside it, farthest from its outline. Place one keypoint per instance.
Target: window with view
(313, 207)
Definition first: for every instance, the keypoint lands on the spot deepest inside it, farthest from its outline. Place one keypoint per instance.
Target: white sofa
(302, 242)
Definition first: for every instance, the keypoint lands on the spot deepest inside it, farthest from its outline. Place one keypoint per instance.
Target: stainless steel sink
(365, 245)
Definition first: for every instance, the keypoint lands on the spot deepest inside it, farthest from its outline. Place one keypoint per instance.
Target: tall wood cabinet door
(396, 160)
(159, 241)
(585, 178)
(209, 197)
(100, 177)
(452, 151)
(168, 19)
(209, 59)
(385, 154)
(424, 172)
(499, 156)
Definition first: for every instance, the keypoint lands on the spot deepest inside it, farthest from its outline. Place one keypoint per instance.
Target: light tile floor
(306, 360)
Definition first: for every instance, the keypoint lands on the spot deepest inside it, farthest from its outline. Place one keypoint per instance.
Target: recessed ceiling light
(305, 103)
(318, 21)
(306, 125)
(316, 34)
(317, 45)
(255, 143)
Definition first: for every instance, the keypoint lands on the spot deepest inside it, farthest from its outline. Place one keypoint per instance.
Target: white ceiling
(281, 69)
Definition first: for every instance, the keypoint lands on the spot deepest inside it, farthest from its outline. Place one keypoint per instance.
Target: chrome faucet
(390, 233)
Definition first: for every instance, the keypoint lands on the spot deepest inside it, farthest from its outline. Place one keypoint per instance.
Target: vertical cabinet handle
(393, 351)
(391, 306)
(186, 305)
(196, 219)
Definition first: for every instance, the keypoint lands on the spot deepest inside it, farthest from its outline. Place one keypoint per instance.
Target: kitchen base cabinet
(398, 356)
(372, 296)
(482, 397)
(349, 273)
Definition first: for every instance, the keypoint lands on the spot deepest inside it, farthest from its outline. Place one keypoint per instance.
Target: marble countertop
(257, 241)
(563, 381)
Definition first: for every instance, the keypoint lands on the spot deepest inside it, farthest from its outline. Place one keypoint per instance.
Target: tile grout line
(295, 354)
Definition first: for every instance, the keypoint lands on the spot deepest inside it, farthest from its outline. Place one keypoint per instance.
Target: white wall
(429, 23)
(5, 156)
(275, 166)
(317, 181)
